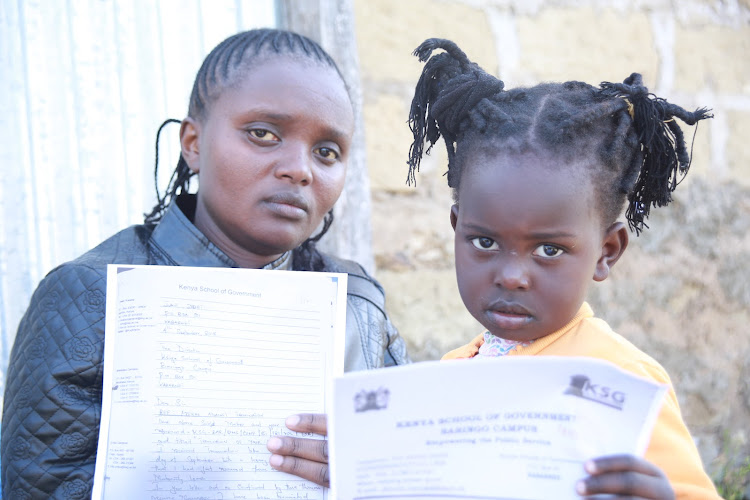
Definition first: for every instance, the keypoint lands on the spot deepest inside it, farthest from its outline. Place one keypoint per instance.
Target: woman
(268, 134)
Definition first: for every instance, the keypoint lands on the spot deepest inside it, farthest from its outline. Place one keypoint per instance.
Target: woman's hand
(306, 458)
(625, 475)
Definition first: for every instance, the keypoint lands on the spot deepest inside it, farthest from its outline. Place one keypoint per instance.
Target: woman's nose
(296, 165)
(512, 273)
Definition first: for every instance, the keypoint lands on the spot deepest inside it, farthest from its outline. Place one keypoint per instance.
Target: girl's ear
(614, 243)
(454, 215)
(189, 135)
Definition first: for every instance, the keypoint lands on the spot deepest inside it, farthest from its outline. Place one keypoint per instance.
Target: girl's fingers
(616, 463)
(629, 484)
(627, 476)
(308, 422)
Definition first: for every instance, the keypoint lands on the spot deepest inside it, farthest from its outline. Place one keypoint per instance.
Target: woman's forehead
(286, 90)
(283, 66)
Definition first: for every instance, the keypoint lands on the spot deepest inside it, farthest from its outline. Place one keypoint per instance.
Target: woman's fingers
(305, 458)
(316, 423)
(315, 450)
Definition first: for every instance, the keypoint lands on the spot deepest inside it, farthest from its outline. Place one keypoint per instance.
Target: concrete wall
(682, 290)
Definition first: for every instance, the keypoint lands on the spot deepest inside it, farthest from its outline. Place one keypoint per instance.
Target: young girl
(268, 134)
(540, 176)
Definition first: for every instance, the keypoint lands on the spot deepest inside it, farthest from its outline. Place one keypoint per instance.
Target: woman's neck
(241, 256)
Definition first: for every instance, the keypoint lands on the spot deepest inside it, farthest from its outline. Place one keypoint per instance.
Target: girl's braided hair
(224, 66)
(638, 148)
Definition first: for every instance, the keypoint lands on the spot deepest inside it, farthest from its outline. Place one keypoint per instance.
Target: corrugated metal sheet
(84, 86)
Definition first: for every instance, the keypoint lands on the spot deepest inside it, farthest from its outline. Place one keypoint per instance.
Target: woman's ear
(189, 135)
(454, 215)
(614, 243)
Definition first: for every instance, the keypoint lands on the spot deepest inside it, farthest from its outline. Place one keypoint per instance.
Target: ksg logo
(582, 387)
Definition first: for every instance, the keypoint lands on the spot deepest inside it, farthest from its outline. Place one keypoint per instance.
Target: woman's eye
(327, 153)
(548, 251)
(263, 135)
(483, 243)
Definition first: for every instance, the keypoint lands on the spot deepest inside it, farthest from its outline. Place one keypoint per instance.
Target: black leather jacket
(53, 392)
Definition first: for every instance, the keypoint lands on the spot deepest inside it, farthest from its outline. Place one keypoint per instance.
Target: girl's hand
(306, 458)
(625, 475)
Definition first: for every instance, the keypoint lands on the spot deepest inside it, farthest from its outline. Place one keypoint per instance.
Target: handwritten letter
(202, 366)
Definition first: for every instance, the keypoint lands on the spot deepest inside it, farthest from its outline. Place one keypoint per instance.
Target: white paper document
(201, 367)
(504, 428)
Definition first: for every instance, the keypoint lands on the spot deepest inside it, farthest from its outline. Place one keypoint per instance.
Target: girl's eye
(548, 251)
(483, 243)
(327, 153)
(263, 135)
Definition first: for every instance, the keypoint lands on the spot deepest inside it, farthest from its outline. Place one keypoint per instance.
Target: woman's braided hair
(638, 148)
(224, 66)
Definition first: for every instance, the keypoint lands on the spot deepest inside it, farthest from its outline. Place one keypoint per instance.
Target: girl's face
(528, 242)
(271, 158)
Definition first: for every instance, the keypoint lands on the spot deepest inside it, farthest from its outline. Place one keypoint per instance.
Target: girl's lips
(508, 320)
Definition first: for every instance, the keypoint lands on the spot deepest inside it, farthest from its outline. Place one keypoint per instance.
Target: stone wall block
(413, 231)
(388, 139)
(734, 276)
(713, 57)
(400, 26)
(430, 311)
(587, 44)
(738, 152)
(699, 140)
(744, 394)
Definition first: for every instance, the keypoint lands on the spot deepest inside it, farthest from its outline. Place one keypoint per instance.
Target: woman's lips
(288, 205)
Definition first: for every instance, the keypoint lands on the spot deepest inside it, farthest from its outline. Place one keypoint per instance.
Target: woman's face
(271, 158)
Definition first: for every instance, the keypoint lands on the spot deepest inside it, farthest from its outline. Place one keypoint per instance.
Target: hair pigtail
(449, 88)
(665, 157)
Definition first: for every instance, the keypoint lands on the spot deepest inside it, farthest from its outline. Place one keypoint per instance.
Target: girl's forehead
(526, 199)
(528, 167)
(521, 179)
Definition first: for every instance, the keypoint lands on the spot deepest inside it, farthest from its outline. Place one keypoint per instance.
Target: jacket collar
(184, 245)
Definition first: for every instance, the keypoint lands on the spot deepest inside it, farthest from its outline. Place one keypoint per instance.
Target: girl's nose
(512, 274)
(296, 165)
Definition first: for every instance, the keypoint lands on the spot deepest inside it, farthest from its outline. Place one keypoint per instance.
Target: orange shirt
(671, 447)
